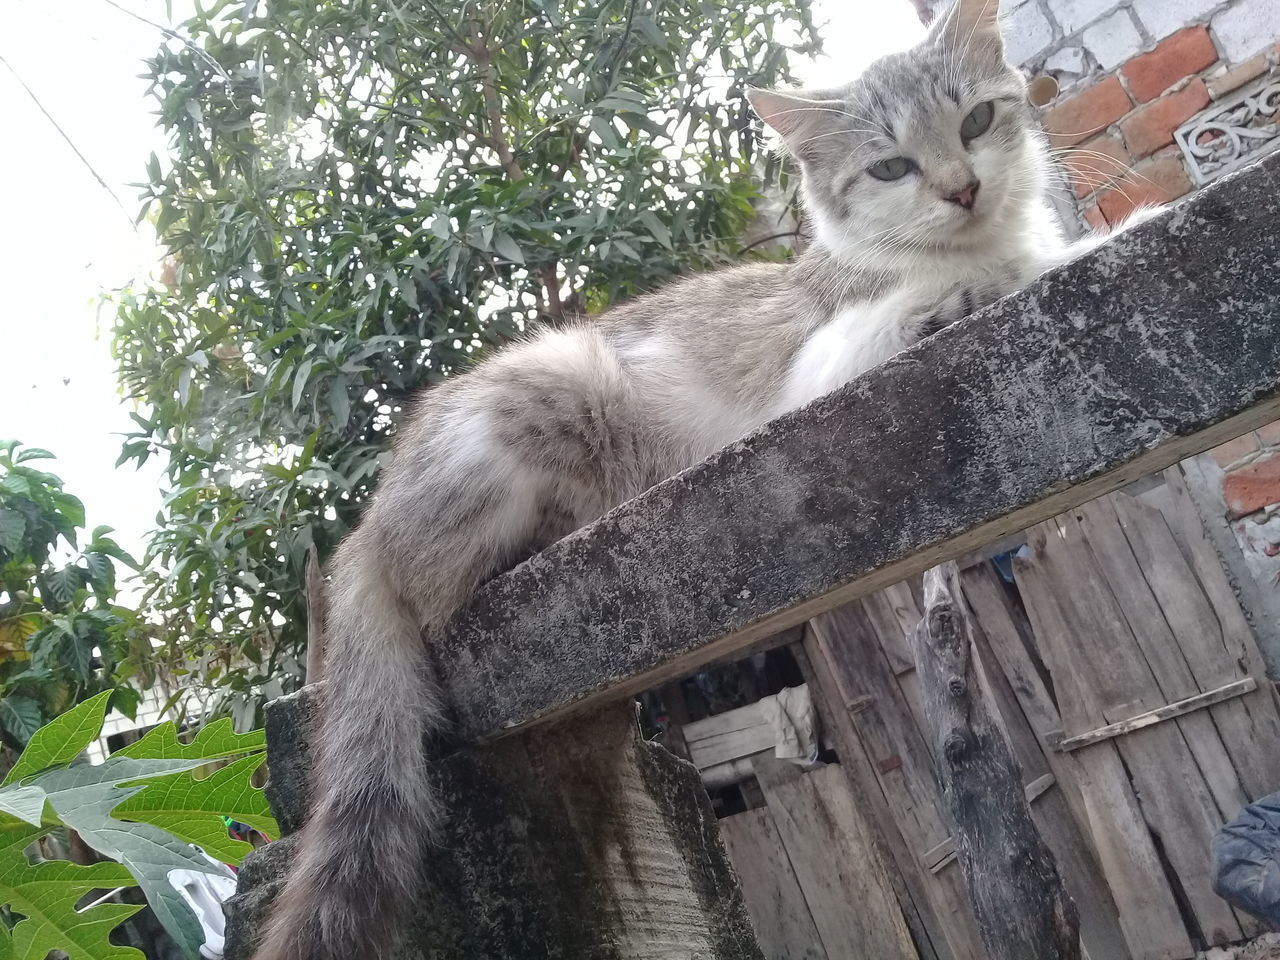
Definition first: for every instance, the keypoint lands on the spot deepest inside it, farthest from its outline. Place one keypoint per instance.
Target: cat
(925, 182)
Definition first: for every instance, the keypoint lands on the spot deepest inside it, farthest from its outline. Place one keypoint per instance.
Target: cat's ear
(796, 116)
(968, 25)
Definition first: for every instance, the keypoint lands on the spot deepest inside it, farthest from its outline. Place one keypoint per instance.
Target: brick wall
(1130, 73)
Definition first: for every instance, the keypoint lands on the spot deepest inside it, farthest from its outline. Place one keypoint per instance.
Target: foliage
(142, 807)
(361, 198)
(62, 637)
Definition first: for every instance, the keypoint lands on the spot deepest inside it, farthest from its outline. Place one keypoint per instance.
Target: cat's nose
(966, 195)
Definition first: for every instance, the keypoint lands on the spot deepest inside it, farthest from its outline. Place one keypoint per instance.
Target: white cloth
(795, 726)
(204, 892)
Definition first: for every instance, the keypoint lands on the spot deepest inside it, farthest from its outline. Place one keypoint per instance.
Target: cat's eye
(978, 120)
(892, 168)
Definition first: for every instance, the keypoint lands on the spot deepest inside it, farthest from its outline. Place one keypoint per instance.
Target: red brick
(1238, 76)
(1158, 180)
(1096, 163)
(1186, 52)
(1253, 487)
(1149, 128)
(1079, 117)
(1233, 450)
(1095, 218)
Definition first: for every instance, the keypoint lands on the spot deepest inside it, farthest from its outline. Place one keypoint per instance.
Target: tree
(363, 198)
(62, 636)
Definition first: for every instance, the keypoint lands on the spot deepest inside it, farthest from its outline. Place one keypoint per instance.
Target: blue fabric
(1246, 859)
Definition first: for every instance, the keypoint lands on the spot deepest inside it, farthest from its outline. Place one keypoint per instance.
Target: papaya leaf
(84, 796)
(148, 853)
(214, 741)
(45, 895)
(192, 809)
(24, 802)
(61, 740)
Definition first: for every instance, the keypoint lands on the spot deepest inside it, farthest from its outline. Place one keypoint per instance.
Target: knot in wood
(955, 746)
(940, 622)
(955, 686)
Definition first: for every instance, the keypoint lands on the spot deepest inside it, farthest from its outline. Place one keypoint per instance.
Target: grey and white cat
(925, 180)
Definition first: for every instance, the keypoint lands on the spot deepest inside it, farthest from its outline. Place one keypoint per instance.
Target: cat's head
(929, 148)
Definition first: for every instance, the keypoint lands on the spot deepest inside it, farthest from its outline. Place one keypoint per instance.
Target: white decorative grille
(1232, 132)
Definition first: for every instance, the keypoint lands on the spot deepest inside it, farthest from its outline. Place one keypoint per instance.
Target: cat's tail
(355, 871)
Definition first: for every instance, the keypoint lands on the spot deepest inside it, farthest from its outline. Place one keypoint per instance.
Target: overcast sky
(64, 240)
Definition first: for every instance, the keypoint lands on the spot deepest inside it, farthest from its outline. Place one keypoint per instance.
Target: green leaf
(70, 507)
(215, 741)
(656, 227)
(192, 809)
(101, 572)
(18, 484)
(21, 716)
(25, 803)
(12, 527)
(62, 585)
(508, 248)
(126, 700)
(33, 453)
(83, 796)
(300, 380)
(46, 895)
(62, 740)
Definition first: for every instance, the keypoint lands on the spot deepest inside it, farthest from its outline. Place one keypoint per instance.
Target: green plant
(62, 636)
(143, 808)
(362, 198)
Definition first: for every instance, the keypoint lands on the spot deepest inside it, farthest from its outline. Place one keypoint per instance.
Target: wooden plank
(729, 736)
(1100, 676)
(892, 613)
(1006, 633)
(1197, 520)
(1113, 525)
(1053, 795)
(784, 927)
(1251, 725)
(730, 746)
(1148, 912)
(1018, 897)
(837, 723)
(1184, 572)
(838, 868)
(1092, 376)
(898, 751)
(721, 724)
(900, 759)
(1198, 702)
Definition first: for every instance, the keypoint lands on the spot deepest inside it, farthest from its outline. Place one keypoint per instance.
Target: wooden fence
(1128, 684)
(572, 838)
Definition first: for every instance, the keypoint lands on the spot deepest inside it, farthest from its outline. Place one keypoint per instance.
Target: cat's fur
(555, 430)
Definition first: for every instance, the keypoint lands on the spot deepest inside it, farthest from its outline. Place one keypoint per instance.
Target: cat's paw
(957, 305)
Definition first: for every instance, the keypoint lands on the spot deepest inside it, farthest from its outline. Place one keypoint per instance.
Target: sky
(65, 239)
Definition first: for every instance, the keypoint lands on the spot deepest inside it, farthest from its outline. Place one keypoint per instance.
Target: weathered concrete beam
(1161, 344)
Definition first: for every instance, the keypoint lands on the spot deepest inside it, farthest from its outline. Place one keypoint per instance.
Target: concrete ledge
(583, 841)
(1161, 344)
